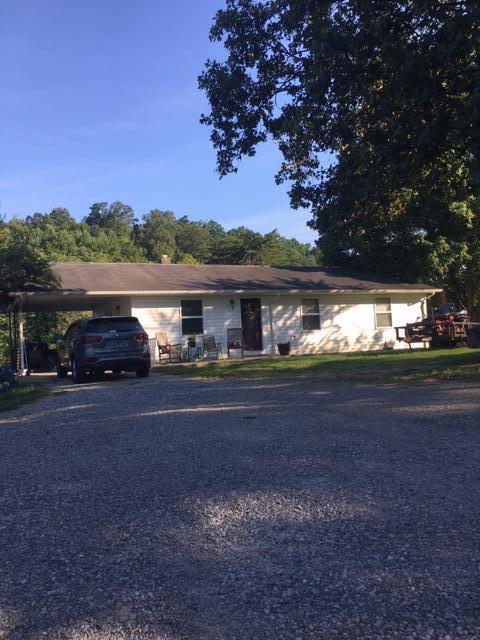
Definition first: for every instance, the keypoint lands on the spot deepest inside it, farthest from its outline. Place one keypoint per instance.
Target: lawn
(461, 363)
(22, 394)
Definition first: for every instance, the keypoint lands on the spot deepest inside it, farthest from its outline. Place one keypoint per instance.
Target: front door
(252, 324)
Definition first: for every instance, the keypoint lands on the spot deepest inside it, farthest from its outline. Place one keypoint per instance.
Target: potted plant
(192, 341)
(283, 348)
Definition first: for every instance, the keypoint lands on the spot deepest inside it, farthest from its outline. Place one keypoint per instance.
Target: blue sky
(100, 102)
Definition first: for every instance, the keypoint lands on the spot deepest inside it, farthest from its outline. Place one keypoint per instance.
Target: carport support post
(21, 342)
(272, 334)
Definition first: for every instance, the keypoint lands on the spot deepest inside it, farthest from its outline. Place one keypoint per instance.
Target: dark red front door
(252, 324)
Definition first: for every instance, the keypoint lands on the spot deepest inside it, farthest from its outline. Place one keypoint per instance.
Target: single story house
(315, 309)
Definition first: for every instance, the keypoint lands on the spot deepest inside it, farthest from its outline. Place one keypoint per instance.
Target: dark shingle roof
(110, 277)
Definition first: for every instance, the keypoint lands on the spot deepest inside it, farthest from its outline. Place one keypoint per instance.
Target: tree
(22, 265)
(157, 234)
(388, 88)
(115, 216)
(59, 216)
(244, 246)
(192, 238)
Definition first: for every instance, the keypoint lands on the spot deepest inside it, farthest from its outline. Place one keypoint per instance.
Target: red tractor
(444, 328)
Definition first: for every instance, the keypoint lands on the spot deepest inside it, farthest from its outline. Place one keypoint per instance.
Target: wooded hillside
(112, 233)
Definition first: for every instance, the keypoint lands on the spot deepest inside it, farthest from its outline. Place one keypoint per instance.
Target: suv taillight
(141, 337)
(91, 339)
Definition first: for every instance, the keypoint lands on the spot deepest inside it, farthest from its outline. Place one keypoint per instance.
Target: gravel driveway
(170, 508)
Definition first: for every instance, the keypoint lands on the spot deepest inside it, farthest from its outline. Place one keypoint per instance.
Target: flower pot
(283, 348)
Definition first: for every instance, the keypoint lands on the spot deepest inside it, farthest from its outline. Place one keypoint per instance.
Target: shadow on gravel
(240, 510)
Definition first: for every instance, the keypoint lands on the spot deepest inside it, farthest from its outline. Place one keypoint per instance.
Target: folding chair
(166, 351)
(211, 350)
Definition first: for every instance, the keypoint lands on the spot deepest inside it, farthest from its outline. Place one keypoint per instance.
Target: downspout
(423, 305)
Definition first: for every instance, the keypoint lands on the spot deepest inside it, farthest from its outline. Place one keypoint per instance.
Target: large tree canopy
(391, 90)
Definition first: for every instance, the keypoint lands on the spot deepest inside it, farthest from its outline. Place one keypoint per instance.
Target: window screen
(310, 314)
(192, 317)
(383, 312)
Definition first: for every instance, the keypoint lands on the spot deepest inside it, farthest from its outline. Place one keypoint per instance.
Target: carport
(22, 303)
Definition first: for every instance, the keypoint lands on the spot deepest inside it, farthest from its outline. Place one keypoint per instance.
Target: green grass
(449, 364)
(22, 394)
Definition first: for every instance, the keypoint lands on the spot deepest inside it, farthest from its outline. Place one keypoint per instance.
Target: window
(383, 312)
(192, 317)
(310, 314)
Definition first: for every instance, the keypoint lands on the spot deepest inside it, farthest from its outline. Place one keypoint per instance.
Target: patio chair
(211, 350)
(167, 352)
(234, 341)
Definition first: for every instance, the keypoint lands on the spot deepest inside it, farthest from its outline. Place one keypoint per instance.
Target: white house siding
(219, 314)
(157, 313)
(114, 307)
(347, 320)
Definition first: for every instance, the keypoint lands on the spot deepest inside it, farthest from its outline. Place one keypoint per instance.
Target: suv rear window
(105, 325)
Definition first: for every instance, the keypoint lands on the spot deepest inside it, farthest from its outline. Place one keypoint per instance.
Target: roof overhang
(39, 294)
(79, 300)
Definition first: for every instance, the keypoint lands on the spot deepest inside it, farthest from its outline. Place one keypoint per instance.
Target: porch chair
(211, 349)
(166, 351)
(234, 341)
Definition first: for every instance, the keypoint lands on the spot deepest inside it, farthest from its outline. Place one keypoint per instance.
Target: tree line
(112, 233)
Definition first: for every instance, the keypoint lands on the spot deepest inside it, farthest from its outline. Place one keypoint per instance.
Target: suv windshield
(106, 325)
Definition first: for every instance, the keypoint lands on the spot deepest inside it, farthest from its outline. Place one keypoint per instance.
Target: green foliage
(157, 235)
(44, 326)
(3, 339)
(388, 88)
(117, 216)
(22, 264)
(28, 246)
(244, 246)
(192, 239)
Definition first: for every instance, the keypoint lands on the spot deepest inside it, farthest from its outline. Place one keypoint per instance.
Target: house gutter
(170, 292)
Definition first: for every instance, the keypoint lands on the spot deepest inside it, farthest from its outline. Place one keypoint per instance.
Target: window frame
(383, 313)
(310, 315)
(190, 317)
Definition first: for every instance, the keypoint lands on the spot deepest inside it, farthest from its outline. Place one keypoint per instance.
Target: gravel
(167, 509)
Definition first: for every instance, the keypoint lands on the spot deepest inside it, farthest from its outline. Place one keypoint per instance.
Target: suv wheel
(143, 372)
(77, 374)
